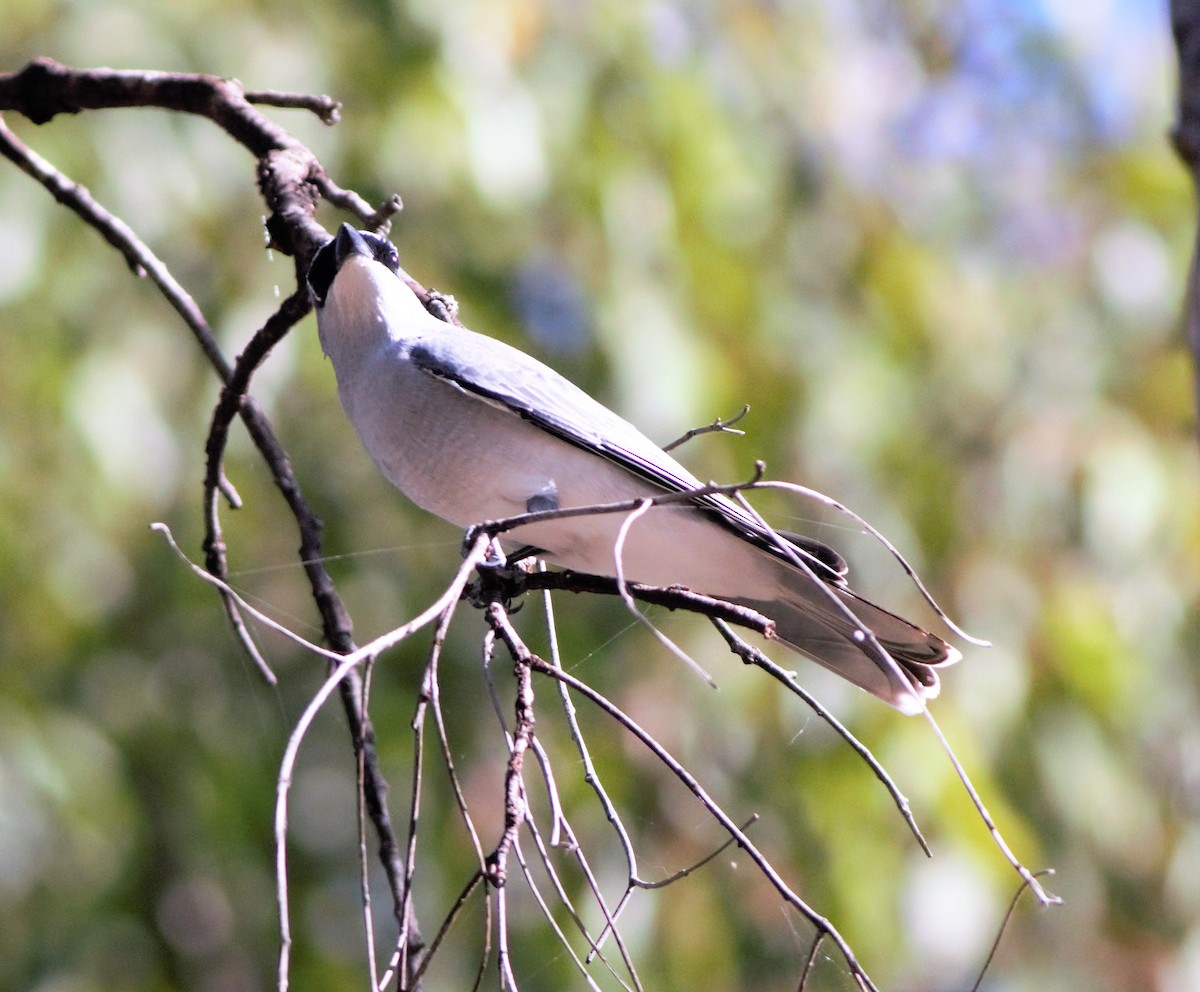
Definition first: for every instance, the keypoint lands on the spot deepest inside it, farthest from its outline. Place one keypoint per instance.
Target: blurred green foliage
(938, 247)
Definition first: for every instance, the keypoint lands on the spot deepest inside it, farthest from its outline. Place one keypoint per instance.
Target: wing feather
(502, 374)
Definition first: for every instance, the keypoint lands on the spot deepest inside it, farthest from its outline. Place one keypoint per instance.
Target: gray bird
(471, 429)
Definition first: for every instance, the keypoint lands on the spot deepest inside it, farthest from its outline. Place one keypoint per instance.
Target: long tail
(898, 664)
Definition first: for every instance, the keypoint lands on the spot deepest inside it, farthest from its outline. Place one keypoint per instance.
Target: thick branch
(672, 597)
(291, 181)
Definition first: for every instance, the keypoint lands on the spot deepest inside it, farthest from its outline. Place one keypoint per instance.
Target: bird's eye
(383, 251)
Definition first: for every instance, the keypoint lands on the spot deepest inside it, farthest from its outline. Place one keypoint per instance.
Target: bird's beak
(328, 261)
(347, 243)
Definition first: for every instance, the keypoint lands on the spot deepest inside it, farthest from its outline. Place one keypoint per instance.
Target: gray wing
(535, 392)
(813, 624)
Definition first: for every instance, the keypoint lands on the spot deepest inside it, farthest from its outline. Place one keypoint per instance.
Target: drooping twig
(845, 511)
(1012, 908)
(560, 891)
(1030, 878)
(768, 870)
(448, 922)
(752, 656)
(290, 179)
(426, 697)
(591, 776)
(347, 664)
(559, 825)
(811, 961)
(364, 861)
(644, 506)
(140, 259)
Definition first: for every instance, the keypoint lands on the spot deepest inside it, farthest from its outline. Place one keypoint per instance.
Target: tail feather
(898, 662)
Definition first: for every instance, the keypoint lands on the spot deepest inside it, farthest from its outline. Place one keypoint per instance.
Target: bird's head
(356, 249)
(358, 288)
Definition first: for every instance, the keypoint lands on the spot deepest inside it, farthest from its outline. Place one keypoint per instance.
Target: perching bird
(472, 429)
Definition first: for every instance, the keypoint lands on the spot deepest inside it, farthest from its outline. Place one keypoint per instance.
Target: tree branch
(291, 181)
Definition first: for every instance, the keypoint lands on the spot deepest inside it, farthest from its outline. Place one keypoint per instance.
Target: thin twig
(692, 784)
(691, 869)
(140, 259)
(508, 980)
(610, 917)
(1012, 908)
(590, 775)
(1030, 878)
(447, 923)
(718, 426)
(519, 653)
(326, 108)
(514, 799)
(752, 656)
(670, 597)
(549, 916)
(364, 865)
(811, 961)
(864, 636)
(644, 506)
(557, 816)
(909, 571)
(287, 765)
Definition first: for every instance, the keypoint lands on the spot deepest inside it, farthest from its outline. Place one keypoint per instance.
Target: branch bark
(291, 181)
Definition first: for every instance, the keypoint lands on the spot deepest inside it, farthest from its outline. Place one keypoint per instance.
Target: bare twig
(447, 923)
(514, 799)
(364, 864)
(428, 695)
(140, 259)
(560, 824)
(592, 777)
(500, 622)
(911, 572)
(288, 177)
(718, 426)
(560, 891)
(752, 656)
(326, 108)
(671, 597)
(444, 602)
(1008, 915)
(1030, 878)
(644, 506)
(811, 961)
(691, 869)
